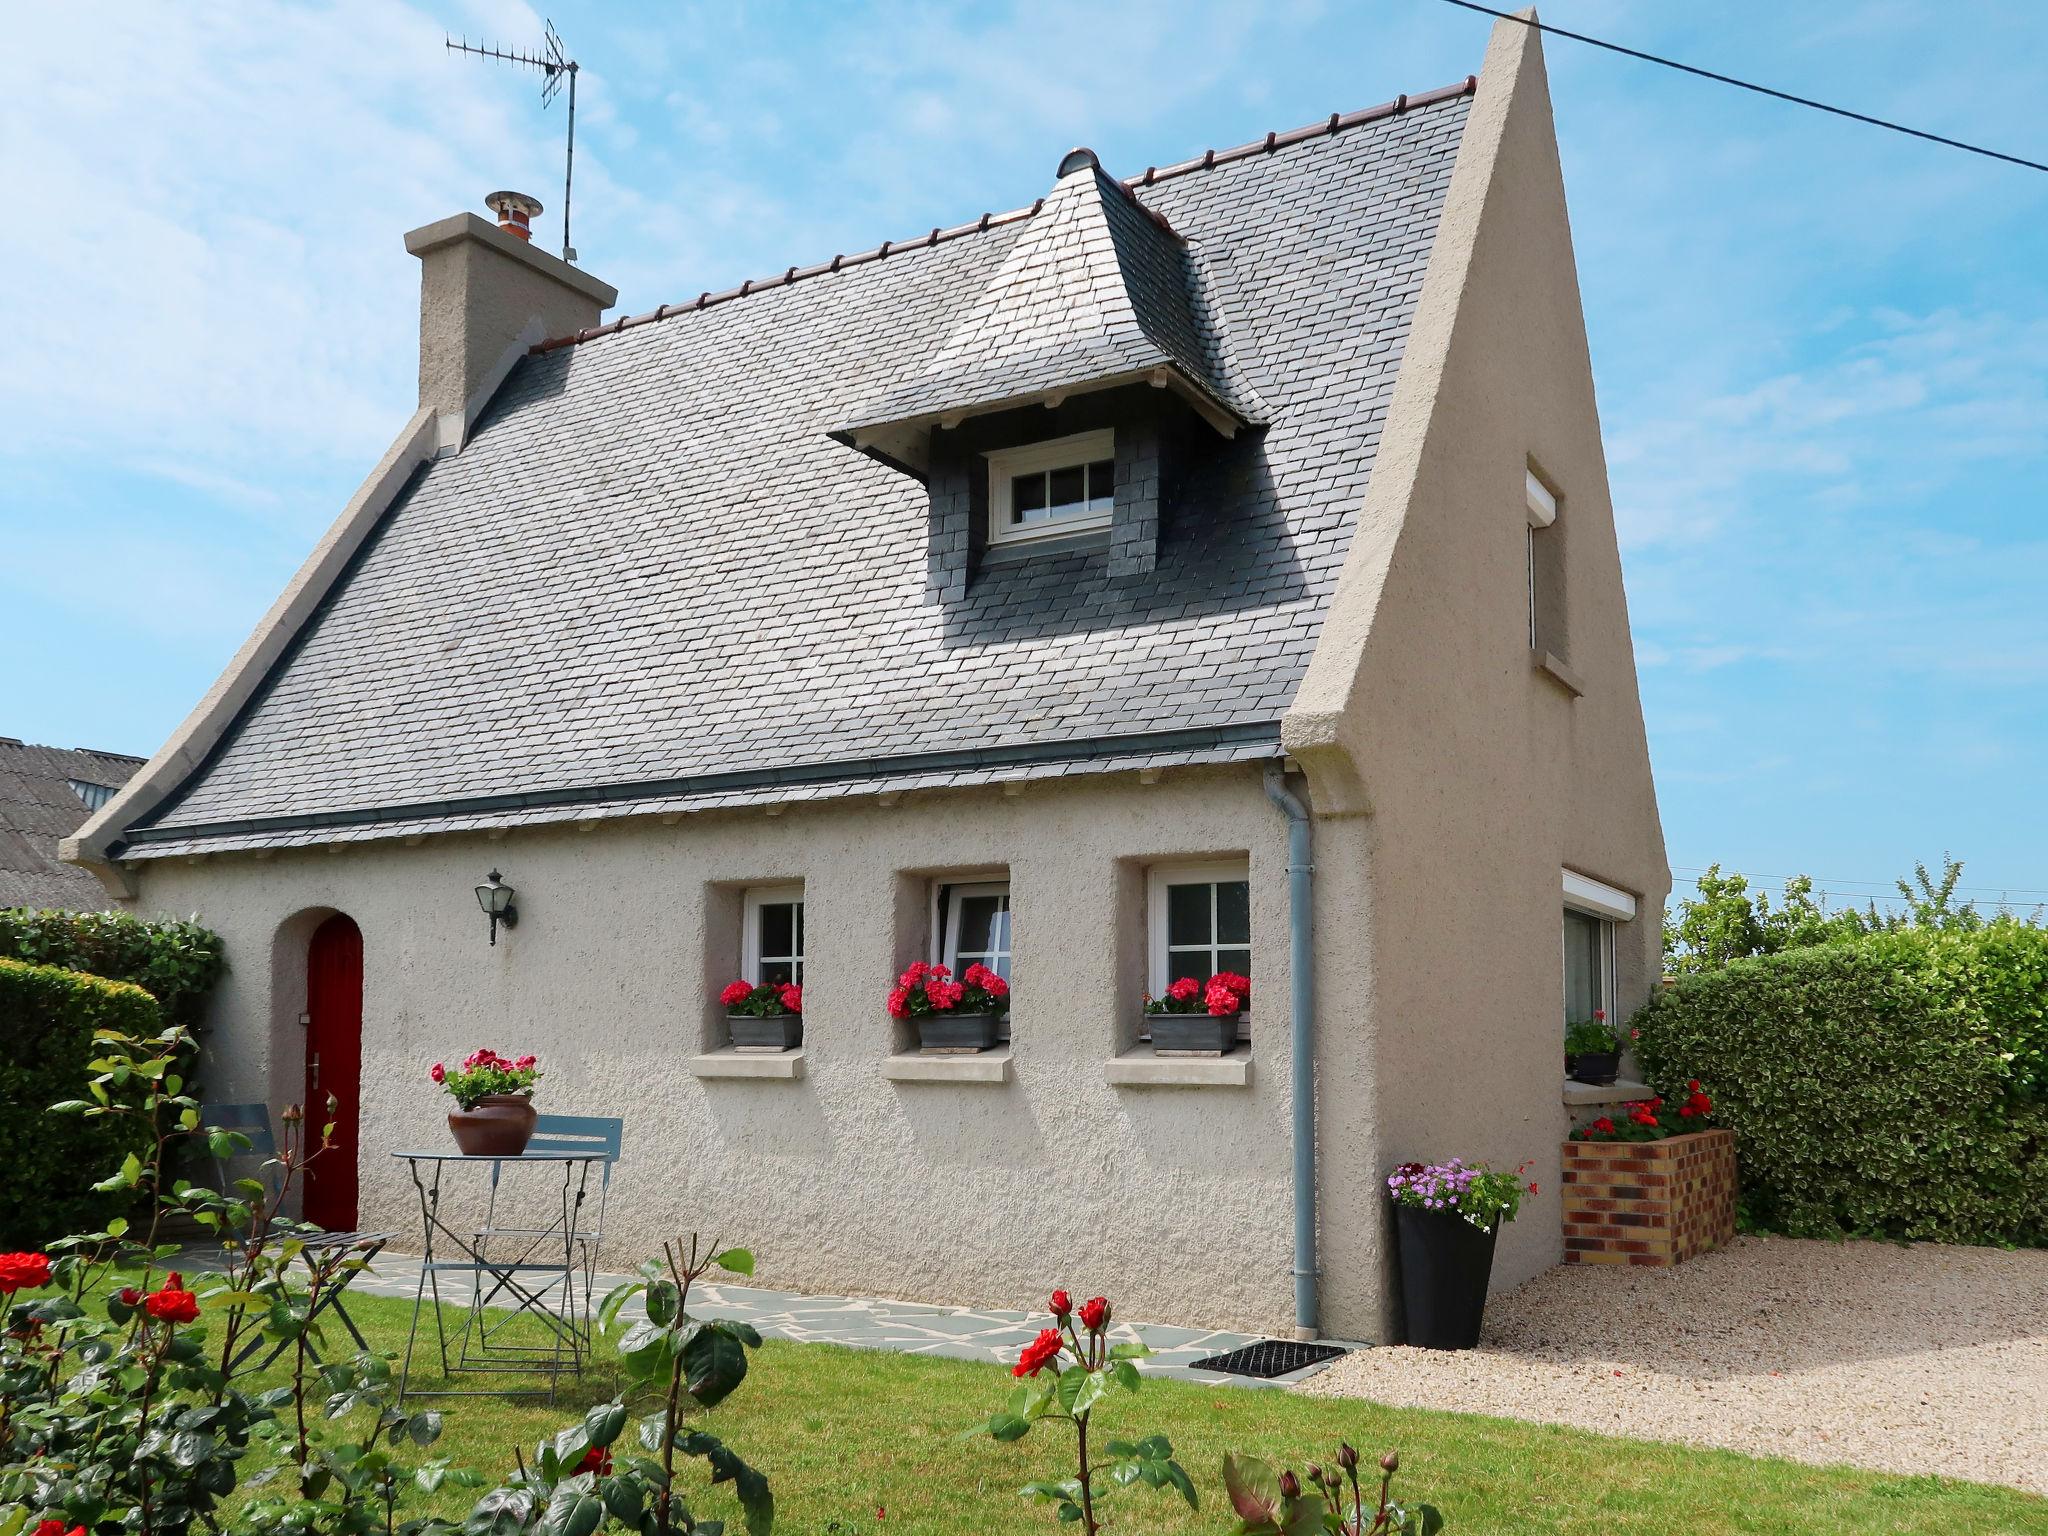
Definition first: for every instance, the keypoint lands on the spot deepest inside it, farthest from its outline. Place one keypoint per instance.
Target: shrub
(177, 963)
(1894, 1085)
(48, 1164)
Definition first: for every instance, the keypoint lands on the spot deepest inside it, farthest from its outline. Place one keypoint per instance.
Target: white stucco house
(1210, 568)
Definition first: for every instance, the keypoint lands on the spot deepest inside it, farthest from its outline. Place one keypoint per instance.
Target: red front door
(334, 1065)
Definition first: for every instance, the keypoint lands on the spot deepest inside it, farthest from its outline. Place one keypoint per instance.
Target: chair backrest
(579, 1133)
(252, 1120)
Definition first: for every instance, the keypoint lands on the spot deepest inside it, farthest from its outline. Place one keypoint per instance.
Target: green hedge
(49, 1163)
(177, 963)
(1890, 1086)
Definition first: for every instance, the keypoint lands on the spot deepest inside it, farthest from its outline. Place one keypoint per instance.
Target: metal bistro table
(528, 1272)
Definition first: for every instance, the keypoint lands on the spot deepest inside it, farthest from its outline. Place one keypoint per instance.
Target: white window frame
(1039, 458)
(956, 897)
(1608, 905)
(1157, 879)
(757, 897)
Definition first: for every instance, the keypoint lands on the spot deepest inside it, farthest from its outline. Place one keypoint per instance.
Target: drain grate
(1269, 1358)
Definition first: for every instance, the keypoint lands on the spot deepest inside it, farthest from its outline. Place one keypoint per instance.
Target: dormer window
(1044, 490)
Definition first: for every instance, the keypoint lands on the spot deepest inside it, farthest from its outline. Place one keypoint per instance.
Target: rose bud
(1347, 1457)
(292, 1114)
(130, 1297)
(1391, 1462)
(1290, 1486)
(1315, 1472)
(1061, 1305)
(1095, 1314)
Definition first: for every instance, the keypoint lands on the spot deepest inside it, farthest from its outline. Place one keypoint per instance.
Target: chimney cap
(1081, 159)
(503, 203)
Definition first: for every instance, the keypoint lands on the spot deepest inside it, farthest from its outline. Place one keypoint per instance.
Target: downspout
(1301, 977)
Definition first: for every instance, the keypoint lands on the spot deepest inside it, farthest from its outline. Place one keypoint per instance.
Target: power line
(1890, 891)
(1746, 85)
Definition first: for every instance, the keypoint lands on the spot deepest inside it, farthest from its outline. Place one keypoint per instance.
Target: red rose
(130, 1297)
(597, 1459)
(899, 1002)
(791, 997)
(438, 1072)
(56, 1528)
(1095, 1314)
(23, 1272)
(735, 993)
(1061, 1305)
(173, 1304)
(1038, 1354)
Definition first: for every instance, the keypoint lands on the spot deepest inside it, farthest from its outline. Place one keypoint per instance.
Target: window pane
(1027, 499)
(775, 972)
(1234, 912)
(1187, 915)
(778, 928)
(1069, 491)
(1235, 960)
(1585, 978)
(1102, 486)
(981, 926)
(799, 950)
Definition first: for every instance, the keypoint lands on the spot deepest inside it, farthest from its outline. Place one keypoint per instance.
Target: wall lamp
(496, 900)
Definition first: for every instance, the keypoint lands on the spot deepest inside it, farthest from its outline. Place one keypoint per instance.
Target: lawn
(864, 1441)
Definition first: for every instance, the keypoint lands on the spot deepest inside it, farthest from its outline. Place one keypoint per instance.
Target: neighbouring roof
(43, 794)
(652, 578)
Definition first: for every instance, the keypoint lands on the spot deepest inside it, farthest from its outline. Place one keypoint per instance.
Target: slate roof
(38, 806)
(1096, 287)
(652, 569)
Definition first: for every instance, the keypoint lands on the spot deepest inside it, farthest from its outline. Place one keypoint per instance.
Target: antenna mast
(554, 65)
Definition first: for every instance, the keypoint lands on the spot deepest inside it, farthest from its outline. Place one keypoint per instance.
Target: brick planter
(1653, 1203)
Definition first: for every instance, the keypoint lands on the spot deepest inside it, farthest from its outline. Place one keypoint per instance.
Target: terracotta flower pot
(500, 1125)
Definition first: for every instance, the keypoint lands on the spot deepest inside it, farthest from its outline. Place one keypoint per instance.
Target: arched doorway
(334, 1065)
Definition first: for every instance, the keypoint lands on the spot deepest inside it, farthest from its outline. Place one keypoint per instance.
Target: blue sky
(1820, 348)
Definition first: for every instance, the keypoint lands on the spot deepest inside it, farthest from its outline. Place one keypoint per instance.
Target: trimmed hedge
(177, 963)
(49, 1163)
(1890, 1086)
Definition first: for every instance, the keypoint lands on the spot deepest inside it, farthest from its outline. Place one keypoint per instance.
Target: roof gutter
(1301, 981)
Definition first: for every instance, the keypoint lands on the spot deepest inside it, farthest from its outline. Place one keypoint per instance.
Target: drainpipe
(1301, 977)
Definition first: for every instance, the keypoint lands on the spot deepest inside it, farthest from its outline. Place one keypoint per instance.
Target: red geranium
(899, 1002)
(1038, 1354)
(736, 992)
(926, 989)
(172, 1304)
(979, 975)
(1184, 990)
(23, 1272)
(438, 1072)
(1095, 1314)
(1222, 994)
(791, 996)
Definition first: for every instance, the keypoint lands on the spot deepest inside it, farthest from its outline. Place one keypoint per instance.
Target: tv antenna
(554, 65)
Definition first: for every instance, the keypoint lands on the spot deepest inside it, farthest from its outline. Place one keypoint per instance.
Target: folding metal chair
(322, 1252)
(598, 1134)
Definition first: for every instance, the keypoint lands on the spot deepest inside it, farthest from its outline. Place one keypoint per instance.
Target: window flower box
(951, 1016)
(768, 1017)
(1198, 1018)
(1647, 1190)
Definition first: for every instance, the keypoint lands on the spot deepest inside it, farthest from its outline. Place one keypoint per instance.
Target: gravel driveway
(1918, 1359)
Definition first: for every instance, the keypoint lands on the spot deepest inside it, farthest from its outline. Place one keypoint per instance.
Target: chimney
(487, 293)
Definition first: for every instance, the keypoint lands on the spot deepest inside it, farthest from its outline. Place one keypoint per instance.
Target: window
(1067, 485)
(1545, 568)
(94, 795)
(1201, 921)
(974, 927)
(1591, 909)
(772, 944)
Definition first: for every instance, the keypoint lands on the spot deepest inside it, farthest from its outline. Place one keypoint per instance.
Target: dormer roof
(1098, 291)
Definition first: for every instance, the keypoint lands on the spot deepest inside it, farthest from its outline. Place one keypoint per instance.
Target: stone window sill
(727, 1062)
(1139, 1068)
(1554, 668)
(978, 1067)
(1622, 1090)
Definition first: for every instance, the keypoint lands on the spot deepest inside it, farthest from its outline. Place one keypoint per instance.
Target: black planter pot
(1445, 1264)
(1601, 1067)
(777, 1032)
(1206, 1032)
(956, 1031)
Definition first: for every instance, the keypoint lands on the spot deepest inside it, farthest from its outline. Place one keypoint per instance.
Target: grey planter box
(957, 1031)
(1206, 1032)
(777, 1032)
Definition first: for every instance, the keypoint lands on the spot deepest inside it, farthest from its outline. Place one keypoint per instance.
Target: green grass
(842, 1433)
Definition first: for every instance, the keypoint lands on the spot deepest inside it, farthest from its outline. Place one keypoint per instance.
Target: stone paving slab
(868, 1322)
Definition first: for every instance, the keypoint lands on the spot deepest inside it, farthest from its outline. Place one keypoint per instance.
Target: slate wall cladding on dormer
(1144, 420)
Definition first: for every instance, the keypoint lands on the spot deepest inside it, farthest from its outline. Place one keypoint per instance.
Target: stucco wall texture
(1173, 1200)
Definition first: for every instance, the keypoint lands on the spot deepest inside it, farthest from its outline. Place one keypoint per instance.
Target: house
(46, 793)
(1210, 568)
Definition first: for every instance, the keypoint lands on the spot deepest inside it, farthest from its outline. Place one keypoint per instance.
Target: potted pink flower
(494, 1114)
(1199, 1017)
(764, 1017)
(949, 1015)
